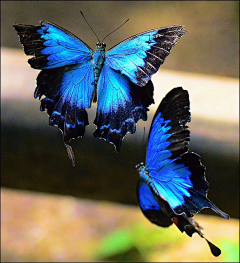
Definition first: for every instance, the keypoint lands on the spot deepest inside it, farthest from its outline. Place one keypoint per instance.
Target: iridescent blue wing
(67, 93)
(66, 79)
(177, 174)
(51, 46)
(150, 207)
(120, 105)
(140, 56)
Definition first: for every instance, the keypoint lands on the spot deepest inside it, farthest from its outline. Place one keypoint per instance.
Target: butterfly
(172, 184)
(73, 76)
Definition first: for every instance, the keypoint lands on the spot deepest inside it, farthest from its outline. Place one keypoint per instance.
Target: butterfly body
(172, 185)
(145, 177)
(98, 61)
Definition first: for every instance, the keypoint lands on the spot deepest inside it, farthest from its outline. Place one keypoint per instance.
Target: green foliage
(230, 250)
(136, 243)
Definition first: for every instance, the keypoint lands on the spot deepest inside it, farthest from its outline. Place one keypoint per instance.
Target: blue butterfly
(72, 76)
(172, 184)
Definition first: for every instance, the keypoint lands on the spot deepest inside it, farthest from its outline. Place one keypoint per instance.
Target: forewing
(169, 135)
(121, 104)
(150, 207)
(140, 56)
(51, 46)
(177, 174)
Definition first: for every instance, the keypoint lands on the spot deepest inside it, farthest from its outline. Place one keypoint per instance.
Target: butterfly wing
(190, 226)
(150, 207)
(177, 174)
(140, 56)
(51, 46)
(66, 79)
(159, 212)
(120, 105)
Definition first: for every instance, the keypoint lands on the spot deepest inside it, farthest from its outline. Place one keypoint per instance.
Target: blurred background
(54, 212)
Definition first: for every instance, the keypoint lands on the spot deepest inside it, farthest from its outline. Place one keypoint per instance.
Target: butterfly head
(101, 45)
(140, 165)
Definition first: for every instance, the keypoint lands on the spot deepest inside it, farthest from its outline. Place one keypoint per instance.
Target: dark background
(33, 154)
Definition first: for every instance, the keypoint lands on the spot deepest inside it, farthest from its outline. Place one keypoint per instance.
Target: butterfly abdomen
(98, 61)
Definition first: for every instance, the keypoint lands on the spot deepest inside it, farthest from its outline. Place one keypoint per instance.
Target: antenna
(89, 26)
(115, 30)
(143, 137)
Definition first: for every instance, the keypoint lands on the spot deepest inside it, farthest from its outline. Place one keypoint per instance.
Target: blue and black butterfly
(72, 76)
(172, 184)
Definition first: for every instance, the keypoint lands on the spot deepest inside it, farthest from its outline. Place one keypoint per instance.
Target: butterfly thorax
(143, 173)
